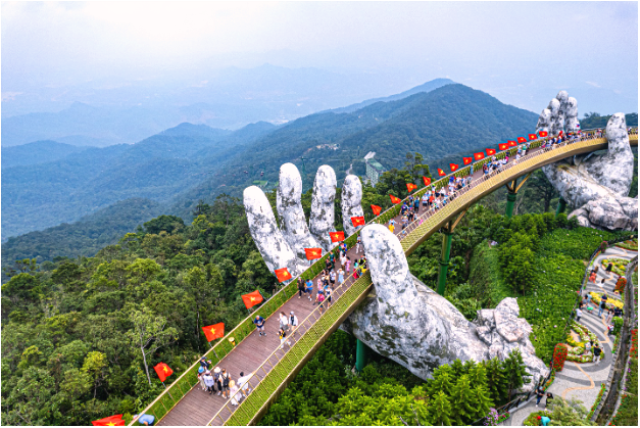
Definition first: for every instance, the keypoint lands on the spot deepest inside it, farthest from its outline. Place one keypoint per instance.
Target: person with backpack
(539, 394)
(596, 353)
(225, 378)
(217, 379)
(603, 305)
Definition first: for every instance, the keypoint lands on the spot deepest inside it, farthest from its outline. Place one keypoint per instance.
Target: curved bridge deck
(274, 368)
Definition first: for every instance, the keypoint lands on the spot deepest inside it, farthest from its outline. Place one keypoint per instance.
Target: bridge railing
(181, 386)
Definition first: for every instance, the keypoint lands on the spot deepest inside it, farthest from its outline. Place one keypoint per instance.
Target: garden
(577, 339)
(619, 266)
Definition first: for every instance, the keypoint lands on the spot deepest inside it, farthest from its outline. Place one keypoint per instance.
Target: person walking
(309, 289)
(340, 276)
(321, 301)
(391, 227)
(332, 278)
(578, 314)
(348, 265)
(243, 384)
(301, 287)
(201, 378)
(540, 394)
(608, 270)
(284, 323)
(234, 391)
(283, 338)
(343, 259)
(603, 305)
(596, 353)
(259, 322)
(293, 323)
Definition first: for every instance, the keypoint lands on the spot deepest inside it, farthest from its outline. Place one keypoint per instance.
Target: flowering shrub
(619, 265)
(611, 303)
(603, 387)
(559, 356)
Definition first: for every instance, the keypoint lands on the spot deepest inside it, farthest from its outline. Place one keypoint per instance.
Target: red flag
(441, 173)
(512, 143)
(478, 156)
(533, 137)
(163, 371)
(357, 221)
(214, 331)
(376, 210)
(453, 167)
(313, 253)
(283, 274)
(503, 146)
(490, 151)
(543, 133)
(411, 187)
(522, 140)
(255, 298)
(336, 236)
(395, 200)
(427, 180)
(111, 421)
(467, 161)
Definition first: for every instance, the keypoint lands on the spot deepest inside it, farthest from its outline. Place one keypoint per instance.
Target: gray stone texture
(422, 331)
(273, 248)
(351, 203)
(595, 186)
(321, 220)
(292, 221)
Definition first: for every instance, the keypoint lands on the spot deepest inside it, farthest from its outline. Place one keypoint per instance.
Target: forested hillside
(37, 152)
(446, 120)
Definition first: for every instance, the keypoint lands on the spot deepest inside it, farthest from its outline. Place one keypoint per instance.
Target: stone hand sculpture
(284, 246)
(409, 323)
(595, 186)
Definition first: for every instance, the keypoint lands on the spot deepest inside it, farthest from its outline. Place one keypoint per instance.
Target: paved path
(582, 381)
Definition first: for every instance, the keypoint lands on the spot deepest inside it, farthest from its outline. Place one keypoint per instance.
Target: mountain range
(182, 165)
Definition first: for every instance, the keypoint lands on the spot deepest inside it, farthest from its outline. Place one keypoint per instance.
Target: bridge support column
(362, 354)
(562, 206)
(511, 201)
(444, 260)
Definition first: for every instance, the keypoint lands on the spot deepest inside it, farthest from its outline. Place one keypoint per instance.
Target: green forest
(71, 327)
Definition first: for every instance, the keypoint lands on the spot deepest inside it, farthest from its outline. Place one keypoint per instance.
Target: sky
(522, 53)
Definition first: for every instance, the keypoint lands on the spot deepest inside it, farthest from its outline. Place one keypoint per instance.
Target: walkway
(582, 381)
(262, 354)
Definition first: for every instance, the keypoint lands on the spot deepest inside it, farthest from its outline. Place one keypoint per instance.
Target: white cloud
(594, 84)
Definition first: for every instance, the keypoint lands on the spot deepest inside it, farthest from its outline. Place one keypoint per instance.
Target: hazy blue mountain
(439, 123)
(159, 167)
(425, 87)
(83, 237)
(36, 152)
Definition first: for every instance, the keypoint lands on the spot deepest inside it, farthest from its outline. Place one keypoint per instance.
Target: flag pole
(168, 392)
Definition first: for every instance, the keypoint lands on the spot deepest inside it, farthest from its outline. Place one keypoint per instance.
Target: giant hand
(595, 186)
(284, 246)
(409, 323)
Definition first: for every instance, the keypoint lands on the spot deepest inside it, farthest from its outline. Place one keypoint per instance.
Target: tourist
(416, 205)
(343, 259)
(358, 244)
(332, 257)
(301, 287)
(608, 269)
(592, 278)
(578, 314)
(321, 300)
(588, 346)
(309, 289)
(259, 322)
(603, 305)
(293, 322)
(404, 208)
(540, 394)
(596, 353)
(544, 420)
(201, 377)
(340, 276)
(236, 396)
(609, 314)
(217, 379)
(548, 400)
(225, 378)
(243, 383)
(327, 264)
(284, 323)
(332, 278)
(328, 293)
(204, 363)
(208, 381)
(144, 419)
(348, 265)
(405, 222)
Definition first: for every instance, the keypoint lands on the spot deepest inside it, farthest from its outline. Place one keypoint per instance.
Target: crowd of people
(220, 380)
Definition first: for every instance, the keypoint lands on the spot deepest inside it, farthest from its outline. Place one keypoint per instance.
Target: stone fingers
(351, 203)
(292, 221)
(270, 241)
(322, 218)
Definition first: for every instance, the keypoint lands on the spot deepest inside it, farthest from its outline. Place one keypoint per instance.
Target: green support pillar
(362, 352)
(511, 201)
(444, 261)
(562, 205)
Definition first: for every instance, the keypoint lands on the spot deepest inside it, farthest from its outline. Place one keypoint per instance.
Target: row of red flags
(315, 253)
